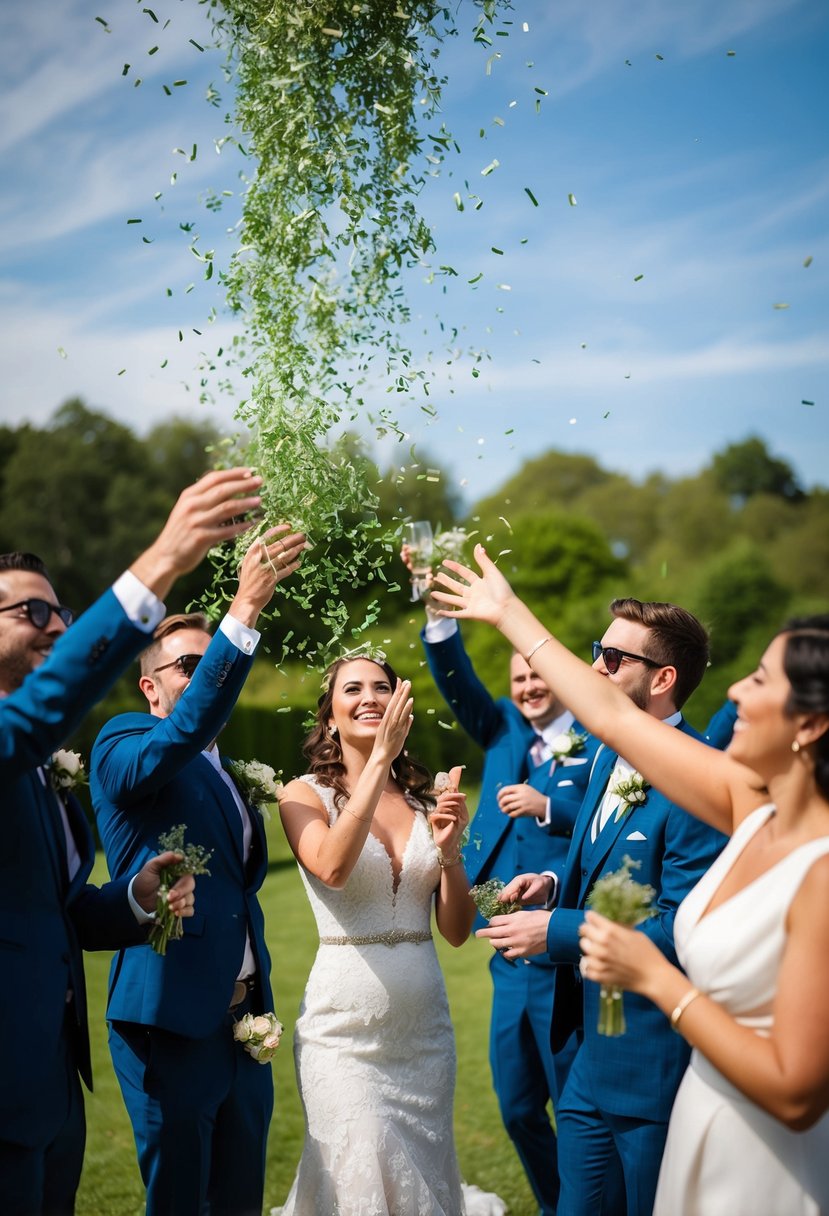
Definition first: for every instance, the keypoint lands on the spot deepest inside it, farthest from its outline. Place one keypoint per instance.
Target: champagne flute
(418, 536)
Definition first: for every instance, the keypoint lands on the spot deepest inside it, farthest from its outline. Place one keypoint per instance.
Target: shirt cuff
(143, 918)
(143, 608)
(242, 636)
(440, 630)
(545, 822)
(552, 898)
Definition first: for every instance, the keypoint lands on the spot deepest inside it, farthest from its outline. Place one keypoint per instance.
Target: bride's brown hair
(325, 758)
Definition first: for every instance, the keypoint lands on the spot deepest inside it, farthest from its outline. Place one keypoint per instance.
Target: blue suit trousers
(200, 1111)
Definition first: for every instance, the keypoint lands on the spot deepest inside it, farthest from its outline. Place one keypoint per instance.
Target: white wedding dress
(374, 1048)
(725, 1156)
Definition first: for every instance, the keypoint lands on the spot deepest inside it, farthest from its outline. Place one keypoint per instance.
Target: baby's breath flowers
(66, 771)
(259, 1034)
(627, 902)
(486, 897)
(258, 783)
(167, 927)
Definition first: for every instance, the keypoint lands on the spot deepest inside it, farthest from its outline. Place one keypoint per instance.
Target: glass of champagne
(418, 537)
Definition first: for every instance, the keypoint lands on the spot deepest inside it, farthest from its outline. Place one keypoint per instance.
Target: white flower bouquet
(259, 1034)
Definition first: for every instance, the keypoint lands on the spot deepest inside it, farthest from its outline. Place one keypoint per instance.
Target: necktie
(538, 749)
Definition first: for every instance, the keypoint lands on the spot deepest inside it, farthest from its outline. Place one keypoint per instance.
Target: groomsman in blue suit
(50, 676)
(536, 765)
(617, 1098)
(200, 1106)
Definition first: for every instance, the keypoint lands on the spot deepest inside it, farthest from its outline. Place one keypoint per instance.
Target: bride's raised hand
(395, 723)
(450, 817)
(481, 597)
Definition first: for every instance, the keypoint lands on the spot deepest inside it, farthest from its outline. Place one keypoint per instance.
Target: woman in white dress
(374, 1046)
(749, 1133)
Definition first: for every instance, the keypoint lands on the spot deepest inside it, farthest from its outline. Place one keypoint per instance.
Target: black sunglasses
(613, 656)
(186, 664)
(40, 612)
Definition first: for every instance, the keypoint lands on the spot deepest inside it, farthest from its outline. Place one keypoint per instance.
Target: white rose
(70, 762)
(271, 1041)
(562, 743)
(241, 1029)
(260, 1026)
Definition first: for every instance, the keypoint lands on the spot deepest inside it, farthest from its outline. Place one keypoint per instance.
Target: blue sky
(667, 313)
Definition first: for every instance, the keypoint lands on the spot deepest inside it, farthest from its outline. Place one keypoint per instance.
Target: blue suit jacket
(719, 730)
(636, 1074)
(501, 847)
(44, 919)
(148, 774)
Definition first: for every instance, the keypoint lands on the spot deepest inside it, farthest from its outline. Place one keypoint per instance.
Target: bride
(374, 1047)
(749, 1132)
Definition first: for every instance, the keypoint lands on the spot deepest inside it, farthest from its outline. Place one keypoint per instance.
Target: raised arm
(331, 852)
(454, 910)
(705, 782)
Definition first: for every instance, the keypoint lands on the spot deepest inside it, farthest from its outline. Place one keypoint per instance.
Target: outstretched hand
(213, 510)
(269, 560)
(180, 897)
(480, 597)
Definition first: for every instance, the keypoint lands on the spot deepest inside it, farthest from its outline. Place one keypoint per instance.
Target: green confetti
(572, 200)
(638, 278)
(531, 196)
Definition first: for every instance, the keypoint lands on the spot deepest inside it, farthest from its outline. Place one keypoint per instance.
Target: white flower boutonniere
(568, 744)
(66, 771)
(259, 784)
(259, 1034)
(631, 791)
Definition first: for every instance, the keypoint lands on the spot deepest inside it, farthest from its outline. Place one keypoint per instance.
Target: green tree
(745, 469)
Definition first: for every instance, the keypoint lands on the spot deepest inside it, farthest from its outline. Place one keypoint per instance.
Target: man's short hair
(29, 562)
(677, 639)
(170, 624)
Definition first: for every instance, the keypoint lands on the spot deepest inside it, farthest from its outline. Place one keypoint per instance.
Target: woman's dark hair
(806, 664)
(325, 758)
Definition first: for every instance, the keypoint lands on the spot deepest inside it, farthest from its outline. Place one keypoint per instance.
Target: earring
(795, 745)
(333, 731)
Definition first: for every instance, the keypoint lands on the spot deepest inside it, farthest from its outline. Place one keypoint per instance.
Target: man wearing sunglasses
(200, 1107)
(618, 1091)
(528, 803)
(50, 676)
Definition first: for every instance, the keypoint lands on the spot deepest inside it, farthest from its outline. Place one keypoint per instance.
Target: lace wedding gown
(374, 1048)
(724, 1155)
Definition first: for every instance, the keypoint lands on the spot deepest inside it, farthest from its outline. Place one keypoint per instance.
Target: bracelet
(537, 646)
(690, 995)
(447, 864)
(359, 818)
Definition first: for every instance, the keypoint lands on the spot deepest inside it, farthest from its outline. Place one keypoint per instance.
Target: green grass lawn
(111, 1185)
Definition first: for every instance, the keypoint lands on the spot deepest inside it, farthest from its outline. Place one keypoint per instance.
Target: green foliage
(739, 596)
(745, 469)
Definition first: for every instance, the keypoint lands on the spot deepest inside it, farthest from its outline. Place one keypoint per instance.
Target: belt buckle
(240, 990)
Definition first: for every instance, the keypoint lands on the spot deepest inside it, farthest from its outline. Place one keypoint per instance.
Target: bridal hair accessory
(259, 1034)
(366, 651)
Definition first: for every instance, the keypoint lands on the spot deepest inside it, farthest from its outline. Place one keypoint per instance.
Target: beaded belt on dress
(392, 937)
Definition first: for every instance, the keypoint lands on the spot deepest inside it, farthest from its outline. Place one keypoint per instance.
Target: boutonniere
(568, 744)
(258, 783)
(66, 771)
(259, 1034)
(631, 791)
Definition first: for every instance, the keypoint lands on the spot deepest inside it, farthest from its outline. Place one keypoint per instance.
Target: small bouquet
(258, 783)
(259, 1034)
(485, 896)
(568, 744)
(451, 543)
(167, 927)
(66, 771)
(618, 897)
(631, 790)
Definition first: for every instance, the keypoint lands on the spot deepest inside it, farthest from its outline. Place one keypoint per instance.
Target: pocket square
(561, 784)
(636, 836)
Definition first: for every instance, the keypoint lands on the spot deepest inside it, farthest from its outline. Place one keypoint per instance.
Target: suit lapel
(230, 812)
(44, 798)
